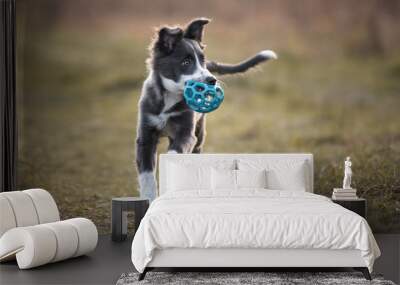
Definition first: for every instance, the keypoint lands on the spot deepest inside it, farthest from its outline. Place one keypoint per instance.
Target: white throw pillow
(251, 178)
(223, 179)
(188, 177)
(281, 174)
(292, 179)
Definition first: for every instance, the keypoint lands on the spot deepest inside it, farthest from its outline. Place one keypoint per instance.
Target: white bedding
(251, 218)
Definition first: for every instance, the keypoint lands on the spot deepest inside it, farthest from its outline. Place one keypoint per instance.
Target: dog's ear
(168, 38)
(194, 30)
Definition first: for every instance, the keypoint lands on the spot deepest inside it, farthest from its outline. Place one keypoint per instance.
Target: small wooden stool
(119, 215)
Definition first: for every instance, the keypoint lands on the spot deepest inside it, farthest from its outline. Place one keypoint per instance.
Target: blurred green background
(333, 92)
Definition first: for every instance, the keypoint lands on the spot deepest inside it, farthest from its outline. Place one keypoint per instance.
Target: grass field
(79, 108)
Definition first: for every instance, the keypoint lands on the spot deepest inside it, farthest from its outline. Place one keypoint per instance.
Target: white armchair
(31, 230)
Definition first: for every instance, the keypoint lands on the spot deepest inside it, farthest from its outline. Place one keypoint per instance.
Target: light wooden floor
(110, 260)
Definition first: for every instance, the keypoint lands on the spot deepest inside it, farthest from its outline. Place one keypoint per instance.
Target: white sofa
(31, 231)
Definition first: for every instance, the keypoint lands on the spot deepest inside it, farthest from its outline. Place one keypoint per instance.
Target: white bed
(280, 225)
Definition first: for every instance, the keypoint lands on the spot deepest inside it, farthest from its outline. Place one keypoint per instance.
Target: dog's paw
(268, 54)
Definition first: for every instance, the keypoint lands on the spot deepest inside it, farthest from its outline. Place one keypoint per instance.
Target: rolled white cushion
(45, 205)
(7, 218)
(87, 234)
(37, 245)
(67, 240)
(33, 246)
(23, 208)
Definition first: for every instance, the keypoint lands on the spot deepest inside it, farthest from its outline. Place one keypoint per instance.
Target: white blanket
(250, 219)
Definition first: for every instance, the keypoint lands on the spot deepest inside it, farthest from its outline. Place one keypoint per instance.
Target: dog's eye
(186, 62)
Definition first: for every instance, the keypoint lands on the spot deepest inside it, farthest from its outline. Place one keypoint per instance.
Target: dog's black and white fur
(176, 56)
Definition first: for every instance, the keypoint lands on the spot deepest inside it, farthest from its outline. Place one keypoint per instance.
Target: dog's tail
(243, 66)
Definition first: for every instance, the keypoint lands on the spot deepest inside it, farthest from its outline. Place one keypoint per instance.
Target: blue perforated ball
(202, 97)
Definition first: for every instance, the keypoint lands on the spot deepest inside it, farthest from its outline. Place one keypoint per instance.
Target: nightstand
(358, 206)
(119, 215)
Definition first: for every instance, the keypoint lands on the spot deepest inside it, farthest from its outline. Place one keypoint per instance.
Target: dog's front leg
(146, 156)
(183, 139)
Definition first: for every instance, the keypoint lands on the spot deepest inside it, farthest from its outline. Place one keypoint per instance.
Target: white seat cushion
(40, 244)
(32, 246)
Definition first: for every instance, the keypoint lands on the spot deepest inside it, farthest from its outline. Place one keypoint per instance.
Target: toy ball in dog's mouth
(202, 97)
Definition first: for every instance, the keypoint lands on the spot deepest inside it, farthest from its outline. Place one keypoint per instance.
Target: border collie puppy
(176, 55)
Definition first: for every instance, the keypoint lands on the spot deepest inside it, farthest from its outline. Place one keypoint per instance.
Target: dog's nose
(211, 80)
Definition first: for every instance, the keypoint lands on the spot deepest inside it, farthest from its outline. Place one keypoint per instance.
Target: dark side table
(119, 215)
(358, 206)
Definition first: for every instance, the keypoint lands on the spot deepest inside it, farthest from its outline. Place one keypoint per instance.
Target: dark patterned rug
(243, 278)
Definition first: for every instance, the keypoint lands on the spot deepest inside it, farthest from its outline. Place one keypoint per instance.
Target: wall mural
(333, 92)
